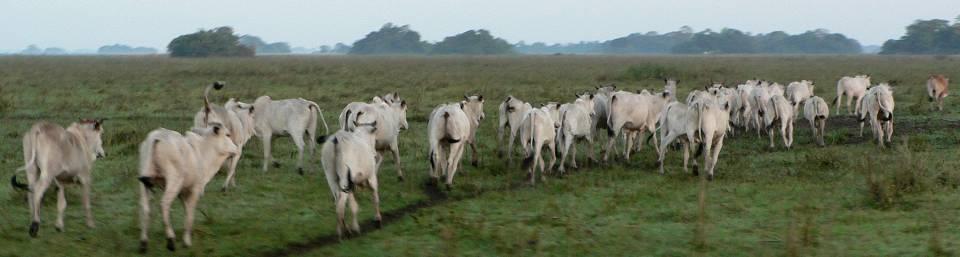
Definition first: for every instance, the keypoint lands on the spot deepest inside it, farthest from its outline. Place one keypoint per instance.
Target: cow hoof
(34, 227)
(400, 178)
(276, 164)
(696, 170)
(170, 245)
(143, 246)
(449, 187)
(300, 170)
(378, 223)
(710, 177)
(59, 229)
(475, 163)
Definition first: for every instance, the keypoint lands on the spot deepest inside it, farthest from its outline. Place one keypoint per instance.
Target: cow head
(473, 106)
(92, 132)
(400, 108)
(220, 138)
(244, 113)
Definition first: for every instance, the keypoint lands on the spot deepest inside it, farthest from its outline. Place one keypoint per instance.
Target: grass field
(847, 199)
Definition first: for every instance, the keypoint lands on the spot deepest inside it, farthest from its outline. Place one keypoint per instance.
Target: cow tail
(447, 129)
(346, 120)
(32, 162)
(313, 105)
(147, 150)
(613, 100)
(206, 99)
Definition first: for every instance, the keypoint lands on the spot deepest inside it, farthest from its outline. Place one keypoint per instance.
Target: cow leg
(850, 111)
(708, 154)
(171, 192)
(784, 127)
(267, 158)
(611, 140)
(355, 226)
(41, 186)
(889, 130)
(592, 149)
(509, 150)
(144, 217)
(341, 209)
(189, 207)
(298, 141)
(771, 133)
(553, 156)
(790, 130)
(573, 152)
(716, 156)
(374, 185)
(877, 131)
(395, 148)
(940, 103)
(453, 161)
(662, 149)
(565, 147)
(85, 184)
(475, 156)
(822, 129)
(61, 206)
(628, 144)
(858, 101)
(232, 170)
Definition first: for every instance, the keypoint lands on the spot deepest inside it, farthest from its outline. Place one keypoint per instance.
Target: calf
(349, 160)
(184, 164)
(852, 87)
(233, 116)
(575, 123)
(816, 111)
(473, 107)
(391, 118)
(296, 118)
(878, 107)
(538, 130)
(779, 113)
(937, 89)
(447, 131)
(510, 114)
(55, 155)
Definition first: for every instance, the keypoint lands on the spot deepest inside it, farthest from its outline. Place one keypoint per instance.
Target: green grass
(848, 199)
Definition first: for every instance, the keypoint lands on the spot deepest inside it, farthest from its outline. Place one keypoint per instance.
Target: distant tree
(341, 48)
(391, 39)
(926, 37)
(32, 50)
(216, 42)
(262, 47)
(472, 42)
(650, 42)
(727, 41)
(118, 49)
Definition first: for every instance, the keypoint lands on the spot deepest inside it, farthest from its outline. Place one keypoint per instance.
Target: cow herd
(182, 164)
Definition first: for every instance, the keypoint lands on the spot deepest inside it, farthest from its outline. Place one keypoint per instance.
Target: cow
(234, 116)
(54, 155)
(878, 108)
(670, 86)
(391, 118)
(601, 106)
(538, 130)
(799, 91)
(779, 113)
(447, 131)
(937, 89)
(296, 118)
(854, 88)
(632, 115)
(704, 122)
(473, 107)
(759, 96)
(774, 89)
(816, 111)
(182, 164)
(510, 113)
(575, 123)
(349, 161)
(745, 113)
(391, 98)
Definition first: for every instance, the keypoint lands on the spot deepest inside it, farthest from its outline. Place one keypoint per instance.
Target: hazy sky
(90, 24)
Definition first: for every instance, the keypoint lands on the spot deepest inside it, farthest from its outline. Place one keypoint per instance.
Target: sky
(89, 24)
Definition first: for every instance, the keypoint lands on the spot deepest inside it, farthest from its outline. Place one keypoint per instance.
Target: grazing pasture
(850, 198)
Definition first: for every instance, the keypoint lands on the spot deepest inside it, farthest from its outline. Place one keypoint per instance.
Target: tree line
(922, 37)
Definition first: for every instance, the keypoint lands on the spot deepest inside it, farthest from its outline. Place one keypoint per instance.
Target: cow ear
(403, 103)
(480, 97)
(726, 106)
(216, 130)
(558, 105)
(251, 109)
(465, 97)
(665, 81)
(591, 96)
(461, 105)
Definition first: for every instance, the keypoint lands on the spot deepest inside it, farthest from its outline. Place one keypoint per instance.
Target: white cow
(878, 108)
(704, 122)
(391, 118)
(601, 106)
(510, 113)
(575, 123)
(234, 116)
(349, 160)
(759, 97)
(447, 131)
(746, 113)
(670, 86)
(538, 130)
(633, 114)
(54, 155)
(854, 88)
(779, 113)
(816, 111)
(473, 107)
(677, 121)
(799, 91)
(296, 118)
(183, 165)
(938, 89)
